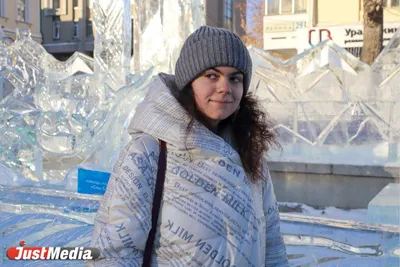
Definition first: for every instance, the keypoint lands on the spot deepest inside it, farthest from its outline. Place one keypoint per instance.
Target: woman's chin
(220, 117)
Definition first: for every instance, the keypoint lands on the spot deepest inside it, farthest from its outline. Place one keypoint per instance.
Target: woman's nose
(223, 86)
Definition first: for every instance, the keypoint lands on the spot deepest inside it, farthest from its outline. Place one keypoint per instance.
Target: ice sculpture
(57, 116)
(34, 125)
(112, 45)
(330, 107)
(51, 119)
(386, 73)
(161, 27)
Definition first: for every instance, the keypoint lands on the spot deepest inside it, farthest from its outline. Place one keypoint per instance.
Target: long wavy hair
(251, 127)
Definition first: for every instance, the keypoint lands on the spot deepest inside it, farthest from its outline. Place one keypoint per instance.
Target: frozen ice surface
(314, 241)
(357, 215)
(44, 217)
(384, 208)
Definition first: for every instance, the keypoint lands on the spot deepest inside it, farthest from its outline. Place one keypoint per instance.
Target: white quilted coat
(211, 215)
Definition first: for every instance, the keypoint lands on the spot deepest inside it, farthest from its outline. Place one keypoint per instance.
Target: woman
(218, 206)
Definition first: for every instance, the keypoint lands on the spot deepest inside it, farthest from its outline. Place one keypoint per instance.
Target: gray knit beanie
(210, 47)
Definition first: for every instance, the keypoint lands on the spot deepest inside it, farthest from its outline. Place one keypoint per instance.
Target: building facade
(67, 27)
(67, 24)
(293, 26)
(226, 14)
(20, 14)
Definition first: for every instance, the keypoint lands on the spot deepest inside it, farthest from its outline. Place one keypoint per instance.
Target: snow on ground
(358, 215)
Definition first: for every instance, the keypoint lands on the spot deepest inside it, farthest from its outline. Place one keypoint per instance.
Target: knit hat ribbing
(210, 47)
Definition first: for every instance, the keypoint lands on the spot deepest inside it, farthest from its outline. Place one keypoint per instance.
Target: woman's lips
(221, 101)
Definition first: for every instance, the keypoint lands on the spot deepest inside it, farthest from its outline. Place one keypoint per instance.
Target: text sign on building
(356, 35)
(344, 36)
(283, 27)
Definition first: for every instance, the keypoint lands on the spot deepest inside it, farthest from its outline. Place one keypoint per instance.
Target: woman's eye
(211, 76)
(236, 80)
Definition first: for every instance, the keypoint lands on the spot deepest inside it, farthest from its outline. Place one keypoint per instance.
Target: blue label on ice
(92, 182)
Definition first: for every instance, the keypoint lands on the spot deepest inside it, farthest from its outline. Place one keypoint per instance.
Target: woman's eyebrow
(229, 74)
(217, 70)
(236, 72)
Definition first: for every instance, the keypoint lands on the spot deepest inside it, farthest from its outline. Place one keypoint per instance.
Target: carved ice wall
(332, 108)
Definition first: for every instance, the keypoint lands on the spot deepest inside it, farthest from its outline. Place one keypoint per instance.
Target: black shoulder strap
(162, 165)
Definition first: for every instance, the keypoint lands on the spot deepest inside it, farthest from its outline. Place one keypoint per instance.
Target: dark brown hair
(252, 130)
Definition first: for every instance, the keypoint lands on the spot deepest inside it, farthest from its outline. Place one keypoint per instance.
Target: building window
(56, 28)
(89, 29)
(2, 8)
(284, 7)
(23, 10)
(228, 14)
(76, 29)
(300, 6)
(56, 4)
(273, 7)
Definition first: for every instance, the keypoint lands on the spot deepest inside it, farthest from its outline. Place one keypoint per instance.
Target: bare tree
(373, 30)
(252, 17)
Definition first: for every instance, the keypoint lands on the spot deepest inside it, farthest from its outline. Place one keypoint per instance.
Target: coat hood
(163, 117)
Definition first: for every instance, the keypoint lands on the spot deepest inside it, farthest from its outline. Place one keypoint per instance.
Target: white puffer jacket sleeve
(275, 247)
(123, 221)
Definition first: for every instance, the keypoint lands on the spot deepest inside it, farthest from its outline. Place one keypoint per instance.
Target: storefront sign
(353, 35)
(344, 36)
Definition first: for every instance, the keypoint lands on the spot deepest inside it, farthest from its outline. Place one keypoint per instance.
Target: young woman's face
(217, 93)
